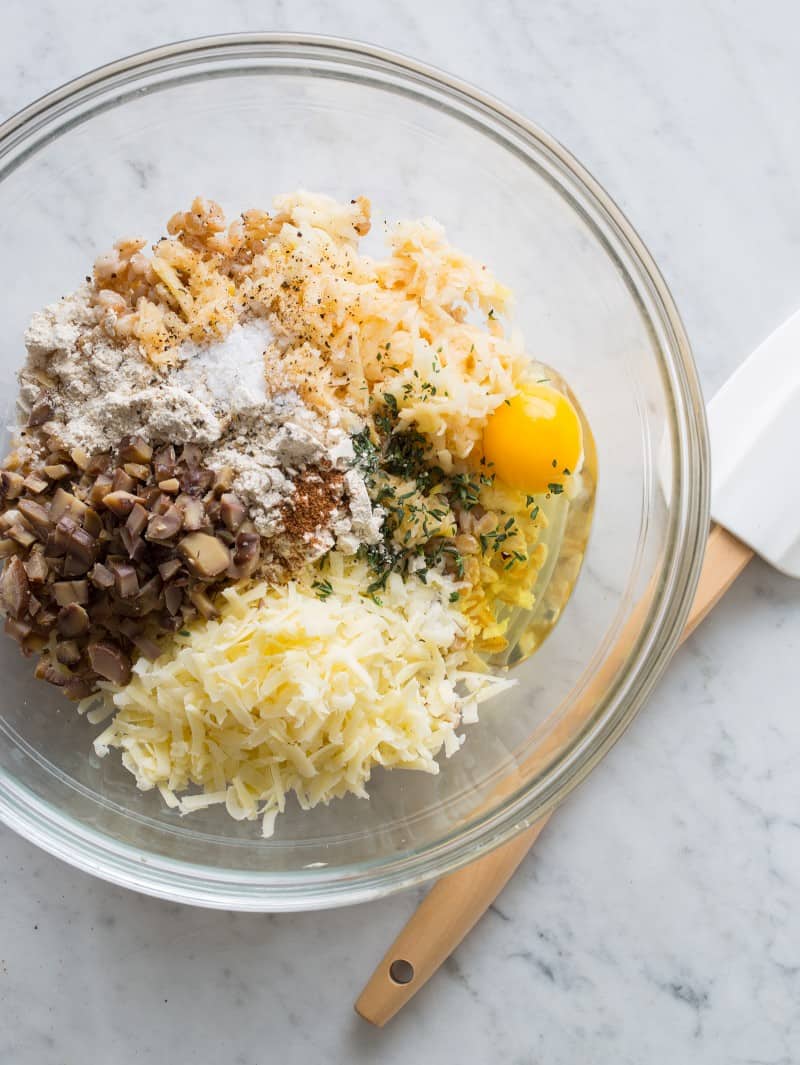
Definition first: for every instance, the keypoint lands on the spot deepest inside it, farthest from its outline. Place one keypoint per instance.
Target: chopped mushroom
(14, 588)
(125, 580)
(41, 411)
(205, 555)
(232, 511)
(101, 576)
(135, 449)
(110, 661)
(120, 503)
(36, 565)
(203, 603)
(68, 652)
(11, 485)
(35, 484)
(36, 515)
(122, 481)
(72, 620)
(58, 471)
(164, 526)
(65, 530)
(71, 592)
(137, 520)
(52, 672)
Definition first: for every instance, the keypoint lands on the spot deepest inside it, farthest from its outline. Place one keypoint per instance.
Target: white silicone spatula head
(754, 423)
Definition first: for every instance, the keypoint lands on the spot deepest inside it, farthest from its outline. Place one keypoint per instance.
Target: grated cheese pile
(290, 691)
(420, 324)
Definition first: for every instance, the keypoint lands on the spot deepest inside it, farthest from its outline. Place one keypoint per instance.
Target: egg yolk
(534, 440)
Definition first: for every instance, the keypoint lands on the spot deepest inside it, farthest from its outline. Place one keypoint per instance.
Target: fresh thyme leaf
(366, 452)
(466, 491)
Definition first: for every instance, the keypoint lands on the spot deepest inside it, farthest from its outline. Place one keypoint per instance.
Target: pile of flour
(215, 397)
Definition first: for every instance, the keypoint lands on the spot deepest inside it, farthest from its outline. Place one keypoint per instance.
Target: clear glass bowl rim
(178, 881)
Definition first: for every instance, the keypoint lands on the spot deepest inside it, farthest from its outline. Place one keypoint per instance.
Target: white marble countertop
(657, 921)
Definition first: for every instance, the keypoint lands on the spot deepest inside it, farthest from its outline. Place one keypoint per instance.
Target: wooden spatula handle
(724, 560)
(446, 914)
(457, 902)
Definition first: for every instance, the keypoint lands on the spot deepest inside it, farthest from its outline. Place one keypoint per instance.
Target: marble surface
(657, 921)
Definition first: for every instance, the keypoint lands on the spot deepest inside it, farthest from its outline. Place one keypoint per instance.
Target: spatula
(752, 421)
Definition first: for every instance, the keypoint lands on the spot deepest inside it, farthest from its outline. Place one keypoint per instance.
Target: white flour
(216, 397)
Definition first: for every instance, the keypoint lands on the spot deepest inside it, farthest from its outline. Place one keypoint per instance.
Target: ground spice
(318, 492)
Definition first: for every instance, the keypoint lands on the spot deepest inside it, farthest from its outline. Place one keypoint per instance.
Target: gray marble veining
(657, 921)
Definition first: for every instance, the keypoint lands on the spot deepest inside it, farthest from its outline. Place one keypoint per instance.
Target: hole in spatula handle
(401, 971)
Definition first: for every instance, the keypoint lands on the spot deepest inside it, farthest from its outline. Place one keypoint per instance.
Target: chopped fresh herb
(184, 632)
(323, 589)
(384, 424)
(530, 500)
(365, 452)
(556, 489)
(466, 491)
(454, 597)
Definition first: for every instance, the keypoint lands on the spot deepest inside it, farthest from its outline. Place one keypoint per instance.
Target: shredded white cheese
(300, 688)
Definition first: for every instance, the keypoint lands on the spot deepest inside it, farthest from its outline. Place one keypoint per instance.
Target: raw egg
(534, 439)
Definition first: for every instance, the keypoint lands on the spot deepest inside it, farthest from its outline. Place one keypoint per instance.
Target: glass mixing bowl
(239, 119)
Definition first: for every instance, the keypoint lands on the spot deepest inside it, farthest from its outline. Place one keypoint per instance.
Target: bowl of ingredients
(331, 385)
